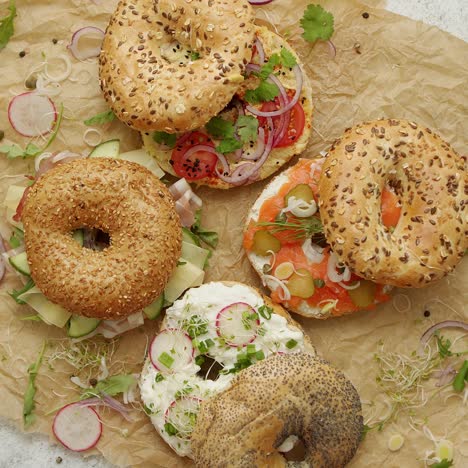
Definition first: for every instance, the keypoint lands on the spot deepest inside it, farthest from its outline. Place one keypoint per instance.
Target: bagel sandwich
(332, 236)
(267, 122)
(208, 340)
(88, 250)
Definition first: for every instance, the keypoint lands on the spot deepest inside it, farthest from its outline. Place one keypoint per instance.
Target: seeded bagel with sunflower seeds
(431, 182)
(121, 198)
(171, 65)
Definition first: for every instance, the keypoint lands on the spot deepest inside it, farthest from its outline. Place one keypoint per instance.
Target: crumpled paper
(386, 65)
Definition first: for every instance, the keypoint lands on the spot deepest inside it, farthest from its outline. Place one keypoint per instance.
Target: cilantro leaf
(220, 128)
(111, 386)
(443, 346)
(287, 58)
(163, 138)
(268, 68)
(443, 464)
(16, 293)
(228, 145)
(317, 24)
(28, 400)
(247, 128)
(266, 91)
(6, 25)
(100, 119)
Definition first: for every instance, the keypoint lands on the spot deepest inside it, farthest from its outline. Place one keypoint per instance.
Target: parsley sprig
(317, 23)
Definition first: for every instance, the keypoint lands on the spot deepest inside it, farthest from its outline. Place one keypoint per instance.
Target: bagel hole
(297, 453)
(92, 238)
(209, 369)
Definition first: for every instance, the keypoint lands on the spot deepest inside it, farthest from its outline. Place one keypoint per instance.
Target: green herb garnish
(247, 128)
(199, 360)
(184, 391)
(111, 386)
(28, 402)
(16, 238)
(196, 326)
(170, 429)
(319, 283)
(265, 92)
(229, 145)
(6, 25)
(159, 377)
(208, 237)
(291, 344)
(220, 128)
(31, 150)
(443, 345)
(16, 293)
(462, 375)
(101, 118)
(163, 138)
(443, 464)
(259, 355)
(265, 312)
(166, 360)
(318, 24)
(302, 228)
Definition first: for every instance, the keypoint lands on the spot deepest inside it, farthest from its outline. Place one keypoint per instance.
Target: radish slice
(77, 427)
(86, 43)
(32, 115)
(237, 324)
(181, 414)
(171, 350)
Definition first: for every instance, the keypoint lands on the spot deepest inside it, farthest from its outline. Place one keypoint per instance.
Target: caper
(31, 82)
(264, 242)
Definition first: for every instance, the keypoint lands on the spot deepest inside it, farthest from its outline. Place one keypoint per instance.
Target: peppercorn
(54, 41)
(22, 53)
(427, 313)
(365, 15)
(58, 460)
(92, 382)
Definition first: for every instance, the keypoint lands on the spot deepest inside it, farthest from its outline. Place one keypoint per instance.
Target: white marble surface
(33, 451)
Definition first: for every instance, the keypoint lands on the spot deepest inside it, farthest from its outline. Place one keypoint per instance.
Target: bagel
(214, 320)
(296, 395)
(148, 73)
(295, 264)
(168, 158)
(120, 198)
(431, 183)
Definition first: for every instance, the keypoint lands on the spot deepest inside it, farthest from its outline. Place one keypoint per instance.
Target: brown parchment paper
(405, 69)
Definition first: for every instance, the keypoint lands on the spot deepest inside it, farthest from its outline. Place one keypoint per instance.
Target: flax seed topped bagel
(120, 198)
(430, 181)
(171, 65)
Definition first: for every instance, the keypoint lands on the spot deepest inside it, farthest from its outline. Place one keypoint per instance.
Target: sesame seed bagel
(171, 65)
(120, 198)
(431, 182)
(285, 395)
(280, 155)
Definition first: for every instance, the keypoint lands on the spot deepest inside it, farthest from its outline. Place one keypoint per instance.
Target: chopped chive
(199, 360)
(159, 377)
(166, 360)
(260, 355)
(265, 312)
(170, 429)
(251, 349)
(291, 344)
(209, 342)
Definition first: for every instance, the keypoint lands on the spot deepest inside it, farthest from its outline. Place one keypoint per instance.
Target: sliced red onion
(259, 149)
(259, 2)
(260, 50)
(444, 376)
(83, 53)
(186, 215)
(438, 326)
(332, 48)
(179, 188)
(332, 274)
(299, 83)
(237, 178)
(108, 401)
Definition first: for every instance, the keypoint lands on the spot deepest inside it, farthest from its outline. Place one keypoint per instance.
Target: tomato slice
(197, 165)
(296, 122)
(390, 209)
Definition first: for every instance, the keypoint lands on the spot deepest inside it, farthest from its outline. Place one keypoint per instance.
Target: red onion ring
(108, 401)
(259, 2)
(239, 177)
(444, 376)
(332, 48)
(260, 147)
(299, 83)
(91, 51)
(260, 50)
(208, 149)
(426, 336)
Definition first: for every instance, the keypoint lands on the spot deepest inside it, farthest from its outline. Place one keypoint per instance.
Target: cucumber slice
(20, 263)
(143, 158)
(190, 237)
(154, 309)
(108, 149)
(185, 276)
(79, 326)
(194, 254)
(51, 313)
(78, 235)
